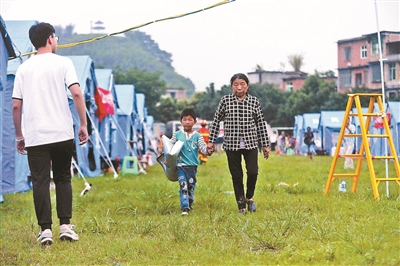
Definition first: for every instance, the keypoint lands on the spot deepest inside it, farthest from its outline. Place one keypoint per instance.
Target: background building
(358, 63)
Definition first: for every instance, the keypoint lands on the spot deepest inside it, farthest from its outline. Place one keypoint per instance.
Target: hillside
(133, 49)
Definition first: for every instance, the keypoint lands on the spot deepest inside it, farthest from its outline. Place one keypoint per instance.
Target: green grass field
(136, 220)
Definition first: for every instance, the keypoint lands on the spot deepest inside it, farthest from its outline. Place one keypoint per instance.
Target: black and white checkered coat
(242, 119)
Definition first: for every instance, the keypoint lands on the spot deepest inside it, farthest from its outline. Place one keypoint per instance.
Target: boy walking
(187, 161)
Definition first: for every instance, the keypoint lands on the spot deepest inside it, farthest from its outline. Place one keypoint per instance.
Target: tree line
(136, 59)
(279, 107)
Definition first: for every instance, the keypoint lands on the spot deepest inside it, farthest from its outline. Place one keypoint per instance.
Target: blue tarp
(123, 129)
(377, 145)
(394, 109)
(309, 120)
(297, 132)
(87, 155)
(356, 121)
(14, 166)
(19, 33)
(6, 51)
(330, 123)
(141, 119)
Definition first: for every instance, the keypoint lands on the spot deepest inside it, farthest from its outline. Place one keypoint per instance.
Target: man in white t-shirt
(40, 94)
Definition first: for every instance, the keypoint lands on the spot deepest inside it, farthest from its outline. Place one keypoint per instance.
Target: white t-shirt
(41, 82)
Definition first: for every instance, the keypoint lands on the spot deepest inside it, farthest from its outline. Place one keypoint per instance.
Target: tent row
(326, 127)
(116, 114)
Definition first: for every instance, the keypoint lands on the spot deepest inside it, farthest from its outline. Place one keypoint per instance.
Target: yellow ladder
(355, 98)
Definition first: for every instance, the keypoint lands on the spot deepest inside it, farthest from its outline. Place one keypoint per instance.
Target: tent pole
(102, 144)
(383, 91)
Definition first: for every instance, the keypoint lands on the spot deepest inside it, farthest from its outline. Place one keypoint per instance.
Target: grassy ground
(136, 220)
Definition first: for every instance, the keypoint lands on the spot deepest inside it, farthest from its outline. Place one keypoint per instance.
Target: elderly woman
(244, 130)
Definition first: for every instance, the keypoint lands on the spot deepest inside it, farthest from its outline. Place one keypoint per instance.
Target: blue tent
(15, 168)
(123, 128)
(377, 145)
(6, 50)
(87, 155)
(297, 129)
(330, 123)
(140, 122)
(356, 122)
(310, 120)
(105, 80)
(394, 109)
(150, 126)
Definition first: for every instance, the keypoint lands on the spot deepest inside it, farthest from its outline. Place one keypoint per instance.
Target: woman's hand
(266, 152)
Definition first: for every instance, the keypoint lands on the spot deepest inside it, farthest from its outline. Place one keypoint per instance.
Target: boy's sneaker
(185, 212)
(45, 238)
(251, 205)
(67, 233)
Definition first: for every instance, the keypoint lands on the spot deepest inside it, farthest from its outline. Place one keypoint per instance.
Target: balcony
(393, 58)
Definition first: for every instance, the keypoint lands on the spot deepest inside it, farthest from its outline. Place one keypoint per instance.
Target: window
(392, 95)
(376, 73)
(345, 78)
(358, 80)
(375, 46)
(289, 86)
(364, 51)
(347, 53)
(392, 71)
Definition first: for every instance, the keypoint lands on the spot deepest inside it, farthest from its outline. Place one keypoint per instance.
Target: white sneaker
(45, 237)
(67, 233)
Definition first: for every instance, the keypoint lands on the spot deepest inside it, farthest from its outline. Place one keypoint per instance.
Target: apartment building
(283, 80)
(359, 63)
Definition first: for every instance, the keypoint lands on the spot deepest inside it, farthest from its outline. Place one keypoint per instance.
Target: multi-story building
(284, 80)
(359, 63)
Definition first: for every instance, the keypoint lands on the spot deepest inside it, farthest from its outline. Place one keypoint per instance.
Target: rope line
(131, 28)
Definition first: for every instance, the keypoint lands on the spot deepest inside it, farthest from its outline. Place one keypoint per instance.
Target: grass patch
(136, 220)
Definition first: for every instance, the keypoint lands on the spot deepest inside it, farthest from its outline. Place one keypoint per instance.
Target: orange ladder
(364, 150)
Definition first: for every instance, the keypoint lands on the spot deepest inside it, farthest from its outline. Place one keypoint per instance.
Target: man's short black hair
(188, 112)
(39, 33)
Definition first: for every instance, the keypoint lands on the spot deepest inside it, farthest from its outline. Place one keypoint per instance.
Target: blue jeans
(187, 184)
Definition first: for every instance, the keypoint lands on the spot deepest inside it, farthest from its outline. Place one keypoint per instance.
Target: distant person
(244, 130)
(40, 94)
(309, 141)
(290, 145)
(139, 144)
(159, 145)
(203, 158)
(282, 143)
(219, 141)
(349, 144)
(187, 161)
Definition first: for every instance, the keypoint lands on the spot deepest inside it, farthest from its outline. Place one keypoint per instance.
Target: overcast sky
(212, 45)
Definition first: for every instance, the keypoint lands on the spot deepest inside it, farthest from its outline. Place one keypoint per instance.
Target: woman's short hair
(239, 76)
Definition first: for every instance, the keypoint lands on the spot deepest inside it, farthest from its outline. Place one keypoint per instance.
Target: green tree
(147, 83)
(170, 109)
(270, 99)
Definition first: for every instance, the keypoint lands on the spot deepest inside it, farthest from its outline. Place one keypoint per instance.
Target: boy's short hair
(188, 112)
(39, 33)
